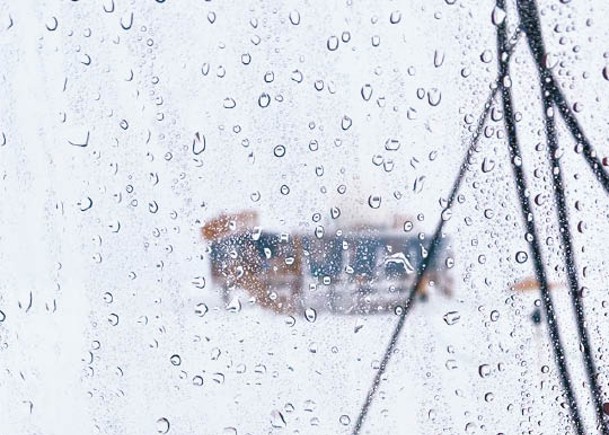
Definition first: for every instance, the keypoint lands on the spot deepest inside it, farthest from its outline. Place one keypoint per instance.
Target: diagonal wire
(557, 96)
(576, 131)
(529, 221)
(529, 17)
(433, 249)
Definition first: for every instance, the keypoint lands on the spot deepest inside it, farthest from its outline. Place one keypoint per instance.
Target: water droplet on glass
(234, 306)
(310, 314)
(229, 103)
(176, 360)
(486, 56)
(264, 100)
(488, 165)
(297, 76)
(438, 58)
(452, 317)
(498, 16)
(484, 370)
(395, 17)
(277, 420)
(279, 151)
(392, 144)
(346, 123)
(201, 309)
(521, 257)
(199, 282)
(295, 17)
(162, 425)
(374, 201)
(255, 196)
(332, 43)
(434, 97)
(366, 92)
(345, 420)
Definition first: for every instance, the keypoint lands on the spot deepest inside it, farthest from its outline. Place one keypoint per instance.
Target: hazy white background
(100, 254)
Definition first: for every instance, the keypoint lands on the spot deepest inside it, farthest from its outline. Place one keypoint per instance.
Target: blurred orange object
(531, 283)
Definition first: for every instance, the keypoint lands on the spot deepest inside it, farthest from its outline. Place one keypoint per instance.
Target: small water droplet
(498, 16)
(201, 309)
(452, 317)
(295, 17)
(367, 92)
(346, 123)
(434, 97)
(113, 319)
(277, 420)
(484, 370)
(332, 43)
(229, 103)
(345, 420)
(310, 315)
(374, 201)
(395, 17)
(279, 151)
(264, 100)
(392, 144)
(234, 306)
(438, 58)
(486, 56)
(488, 165)
(162, 425)
(175, 359)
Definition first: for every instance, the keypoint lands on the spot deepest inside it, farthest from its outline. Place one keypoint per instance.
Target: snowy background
(104, 187)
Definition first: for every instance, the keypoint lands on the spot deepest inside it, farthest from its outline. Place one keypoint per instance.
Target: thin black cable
(529, 221)
(431, 254)
(576, 131)
(556, 94)
(530, 22)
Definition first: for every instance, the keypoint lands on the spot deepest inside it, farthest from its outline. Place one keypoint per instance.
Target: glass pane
(321, 217)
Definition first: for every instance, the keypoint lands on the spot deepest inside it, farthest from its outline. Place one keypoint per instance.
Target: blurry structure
(362, 269)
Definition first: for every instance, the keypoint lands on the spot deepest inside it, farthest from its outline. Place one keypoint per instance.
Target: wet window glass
(319, 217)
